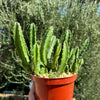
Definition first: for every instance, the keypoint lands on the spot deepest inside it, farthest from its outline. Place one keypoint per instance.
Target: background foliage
(80, 16)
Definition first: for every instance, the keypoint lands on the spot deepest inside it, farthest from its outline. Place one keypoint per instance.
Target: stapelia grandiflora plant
(51, 58)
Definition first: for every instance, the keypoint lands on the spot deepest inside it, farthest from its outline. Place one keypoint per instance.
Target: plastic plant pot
(54, 88)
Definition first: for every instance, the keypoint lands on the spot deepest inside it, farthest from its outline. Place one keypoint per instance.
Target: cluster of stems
(51, 56)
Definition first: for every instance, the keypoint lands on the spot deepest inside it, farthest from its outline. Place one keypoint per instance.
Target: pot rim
(53, 78)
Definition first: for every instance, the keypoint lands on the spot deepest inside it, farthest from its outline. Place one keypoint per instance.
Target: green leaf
(36, 58)
(52, 44)
(81, 62)
(56, 56)
(45, 45)
(84, 47)
(32, 36)
(68, 37)
(21, 46)
(64, 58)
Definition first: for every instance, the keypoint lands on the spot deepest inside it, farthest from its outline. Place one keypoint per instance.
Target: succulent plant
(51, 57)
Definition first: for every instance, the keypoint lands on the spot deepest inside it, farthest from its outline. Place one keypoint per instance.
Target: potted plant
(53, 64)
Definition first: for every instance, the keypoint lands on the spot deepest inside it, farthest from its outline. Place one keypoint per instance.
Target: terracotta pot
(54, 88)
